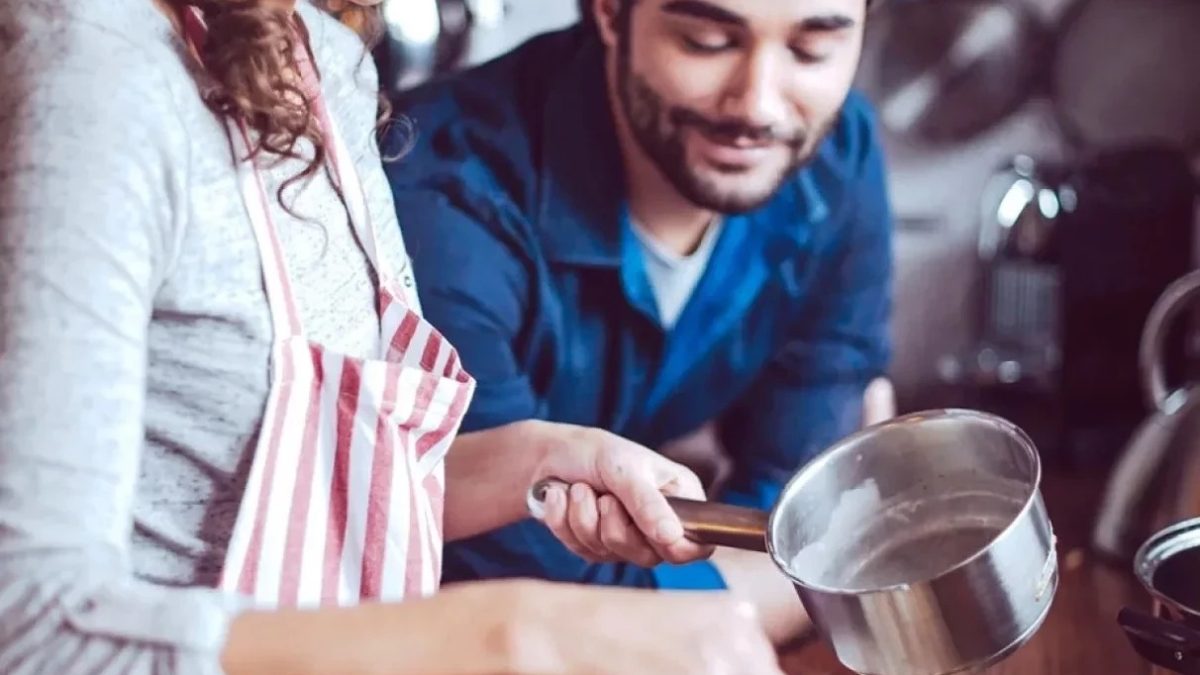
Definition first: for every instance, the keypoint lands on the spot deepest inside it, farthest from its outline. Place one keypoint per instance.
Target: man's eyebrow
(827, 23)
(698, 9)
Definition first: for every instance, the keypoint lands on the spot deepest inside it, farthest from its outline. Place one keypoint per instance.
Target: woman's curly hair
(249, 56)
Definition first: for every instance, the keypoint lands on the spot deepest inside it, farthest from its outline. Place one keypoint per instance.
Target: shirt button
(408, 281)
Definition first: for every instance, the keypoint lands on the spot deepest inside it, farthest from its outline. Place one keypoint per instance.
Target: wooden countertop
(1080, 635)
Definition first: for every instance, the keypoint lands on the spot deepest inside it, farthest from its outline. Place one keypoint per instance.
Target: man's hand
(615, 508)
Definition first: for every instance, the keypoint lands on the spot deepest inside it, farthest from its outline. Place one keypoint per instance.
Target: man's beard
(658, 129)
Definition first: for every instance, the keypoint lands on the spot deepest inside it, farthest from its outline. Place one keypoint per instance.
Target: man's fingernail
(605, 507)
(668, 530)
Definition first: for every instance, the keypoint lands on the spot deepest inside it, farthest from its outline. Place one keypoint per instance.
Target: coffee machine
(1074, 254)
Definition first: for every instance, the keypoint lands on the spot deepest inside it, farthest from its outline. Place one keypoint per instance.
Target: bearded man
(670, 217)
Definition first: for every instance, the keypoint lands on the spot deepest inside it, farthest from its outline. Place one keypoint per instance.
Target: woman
(222, 418)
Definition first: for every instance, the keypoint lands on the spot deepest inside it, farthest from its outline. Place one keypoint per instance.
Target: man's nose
(756, 96)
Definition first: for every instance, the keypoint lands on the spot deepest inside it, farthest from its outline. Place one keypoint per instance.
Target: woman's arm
(454, 633)
(521, 627)
(487, 476)
(88, 138)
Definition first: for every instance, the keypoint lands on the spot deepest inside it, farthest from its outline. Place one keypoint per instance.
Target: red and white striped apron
(344, 499)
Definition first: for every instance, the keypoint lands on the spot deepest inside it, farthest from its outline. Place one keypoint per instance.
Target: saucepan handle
(703, 522)
(1167, 644)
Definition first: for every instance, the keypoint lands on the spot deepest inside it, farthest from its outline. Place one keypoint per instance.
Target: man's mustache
(730, 130)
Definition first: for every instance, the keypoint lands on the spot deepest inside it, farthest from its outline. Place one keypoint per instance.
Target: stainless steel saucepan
(918, 546)
(1166, 564)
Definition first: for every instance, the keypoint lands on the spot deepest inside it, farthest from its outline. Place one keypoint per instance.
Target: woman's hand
(615, 507)
(559, 628)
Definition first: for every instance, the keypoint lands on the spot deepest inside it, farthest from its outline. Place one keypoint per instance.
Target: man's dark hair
(585, 10)
(623, 19)
(589, 19)
(624, 15)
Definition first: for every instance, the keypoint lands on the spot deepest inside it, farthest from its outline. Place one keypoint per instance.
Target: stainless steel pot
(1167, 566)
(918, 546)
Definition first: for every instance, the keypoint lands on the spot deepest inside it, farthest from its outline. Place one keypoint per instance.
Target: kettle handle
(1174, 299)
(1164, 643)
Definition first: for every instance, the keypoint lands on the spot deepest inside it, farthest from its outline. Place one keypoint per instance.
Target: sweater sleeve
(91, 188)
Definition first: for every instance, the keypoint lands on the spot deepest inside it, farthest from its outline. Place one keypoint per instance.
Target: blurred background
(1043, 156)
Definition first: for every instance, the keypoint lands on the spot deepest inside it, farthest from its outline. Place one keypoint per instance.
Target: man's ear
(604, 13)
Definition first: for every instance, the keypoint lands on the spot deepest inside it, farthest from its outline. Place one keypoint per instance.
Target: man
(670, 217)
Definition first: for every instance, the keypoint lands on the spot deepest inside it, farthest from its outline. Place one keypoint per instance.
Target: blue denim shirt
(512, 204)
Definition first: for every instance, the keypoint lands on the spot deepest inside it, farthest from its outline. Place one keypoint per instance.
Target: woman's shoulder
(92, 34)
(89, 111)
(93, 59)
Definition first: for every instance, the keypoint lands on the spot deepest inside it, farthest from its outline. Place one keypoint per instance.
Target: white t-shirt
(673, 277)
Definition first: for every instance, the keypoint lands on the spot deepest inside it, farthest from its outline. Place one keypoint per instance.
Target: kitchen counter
(1080, 636)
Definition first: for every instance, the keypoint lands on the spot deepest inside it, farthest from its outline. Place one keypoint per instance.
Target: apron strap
(285, 317)
(344, 170)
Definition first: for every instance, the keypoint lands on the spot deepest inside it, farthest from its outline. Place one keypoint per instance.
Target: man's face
(729, 97)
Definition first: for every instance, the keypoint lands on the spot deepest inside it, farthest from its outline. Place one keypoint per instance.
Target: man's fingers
(684, 551)
(638, 491)
(583, 517)
(621, 536)
(555, 518)
(677, 480)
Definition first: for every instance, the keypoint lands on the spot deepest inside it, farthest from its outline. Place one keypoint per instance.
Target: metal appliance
(1166, 566)
(1167, 560)
(1074, 255)
(1151, 470)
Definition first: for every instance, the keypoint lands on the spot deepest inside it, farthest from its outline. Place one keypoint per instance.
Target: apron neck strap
(345, 173)
(284, 313)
